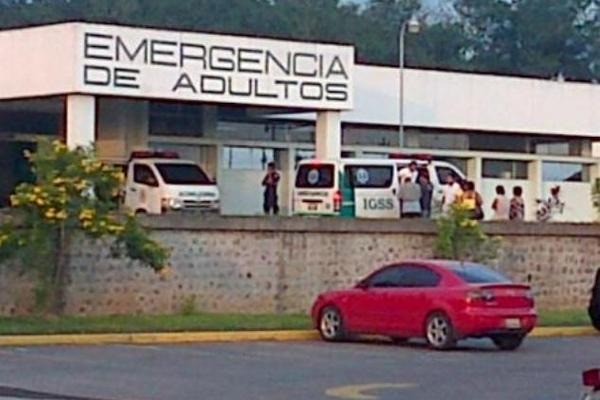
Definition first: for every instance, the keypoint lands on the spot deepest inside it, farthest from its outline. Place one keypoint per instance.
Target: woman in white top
(501, 204)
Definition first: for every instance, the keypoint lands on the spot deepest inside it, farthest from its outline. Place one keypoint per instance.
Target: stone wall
(255, 265)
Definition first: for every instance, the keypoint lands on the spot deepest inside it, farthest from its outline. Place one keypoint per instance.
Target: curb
(207, 337)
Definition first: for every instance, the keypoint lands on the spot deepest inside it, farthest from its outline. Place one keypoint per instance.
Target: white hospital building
(234, 103)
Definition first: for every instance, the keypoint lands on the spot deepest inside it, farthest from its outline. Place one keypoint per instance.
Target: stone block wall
(254, 265)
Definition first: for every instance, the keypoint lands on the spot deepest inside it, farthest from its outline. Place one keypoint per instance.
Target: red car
(441, 301)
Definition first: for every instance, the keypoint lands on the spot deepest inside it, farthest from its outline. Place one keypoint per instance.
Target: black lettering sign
(212, 84)
(336, 91)
(248, 60)
(199, 55)
(300, 67)
(184, 82)
(126, 78)
(161, 51)
(311, 91)
(93, 43)
(142, 48)
(223, 62)
(96, 75)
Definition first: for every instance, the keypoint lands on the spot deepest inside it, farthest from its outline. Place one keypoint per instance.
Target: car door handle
(394, 191)
(133, 190)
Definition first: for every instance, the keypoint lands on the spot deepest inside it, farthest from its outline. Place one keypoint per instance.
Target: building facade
(234, 103)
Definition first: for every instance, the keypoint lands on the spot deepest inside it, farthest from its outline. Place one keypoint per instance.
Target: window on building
(369, 136)
(565, 172)
(505, 169)
(420, 139)
(247, 157)
(176, 119)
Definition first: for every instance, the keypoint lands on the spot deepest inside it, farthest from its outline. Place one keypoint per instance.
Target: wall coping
(204, 222)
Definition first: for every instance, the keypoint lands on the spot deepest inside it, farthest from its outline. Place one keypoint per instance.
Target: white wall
(577, 197)
(37, 61)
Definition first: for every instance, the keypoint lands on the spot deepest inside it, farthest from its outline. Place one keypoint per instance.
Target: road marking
(359, 392)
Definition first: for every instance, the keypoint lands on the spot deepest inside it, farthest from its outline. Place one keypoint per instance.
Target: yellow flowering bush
(459, 237)
(73, 192)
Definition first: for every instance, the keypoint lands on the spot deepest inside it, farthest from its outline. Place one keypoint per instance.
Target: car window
(417, 276)
(388, 277)
(315, 176)
(443, 172)
(143, 174)
(476, 273)
(369, 176)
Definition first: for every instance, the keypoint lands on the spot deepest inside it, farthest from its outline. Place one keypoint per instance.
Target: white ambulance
(361, 188)
(160, 182)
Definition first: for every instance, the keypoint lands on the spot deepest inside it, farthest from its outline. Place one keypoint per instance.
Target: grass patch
(151, 323)
(205, 322)
(564, 318)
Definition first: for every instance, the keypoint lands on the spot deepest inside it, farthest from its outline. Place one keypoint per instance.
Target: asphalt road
(542, 369)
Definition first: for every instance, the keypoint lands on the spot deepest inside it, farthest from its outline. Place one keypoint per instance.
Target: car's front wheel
(439, 331)
(508, 342)
(331, 324)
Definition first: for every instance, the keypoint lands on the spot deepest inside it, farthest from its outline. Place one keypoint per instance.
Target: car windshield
(477, 273)
(182, 174)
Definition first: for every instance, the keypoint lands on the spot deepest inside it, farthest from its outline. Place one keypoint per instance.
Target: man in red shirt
(270, 182)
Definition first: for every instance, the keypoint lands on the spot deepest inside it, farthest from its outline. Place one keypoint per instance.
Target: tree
(531, 37)
(461, 238)
(73, 197)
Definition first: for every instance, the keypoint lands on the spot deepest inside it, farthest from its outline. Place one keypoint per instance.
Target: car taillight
(337, 201)
(480, 296)
(591, 378)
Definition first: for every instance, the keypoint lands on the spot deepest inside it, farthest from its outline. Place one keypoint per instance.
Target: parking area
(543, 369)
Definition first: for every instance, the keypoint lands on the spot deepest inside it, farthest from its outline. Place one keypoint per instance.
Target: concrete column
(475, 171)
(80, 129)
(595, 184)
(329, 135)
(535, 170)
(123, 126)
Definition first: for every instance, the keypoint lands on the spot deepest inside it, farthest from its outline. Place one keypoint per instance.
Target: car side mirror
(362, 285)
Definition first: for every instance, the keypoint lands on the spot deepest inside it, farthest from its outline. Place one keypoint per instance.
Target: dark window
(315, 176)
(143, 174)
(444, 172)
(405, 276)
(370, 176)
(389, 277)
(413, 276)
(505, 169)
(475, 273)
(183, 174)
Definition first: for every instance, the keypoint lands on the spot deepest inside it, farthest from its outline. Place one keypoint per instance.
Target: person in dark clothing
(270, 182)
(426, 195)
(594, 308)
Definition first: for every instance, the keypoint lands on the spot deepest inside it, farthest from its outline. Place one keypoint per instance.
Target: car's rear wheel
(508, 342)
(331, 324)
(439, 331)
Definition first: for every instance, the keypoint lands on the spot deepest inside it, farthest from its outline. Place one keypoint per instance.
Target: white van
(360, 188)
(158, 182)
(437, 171)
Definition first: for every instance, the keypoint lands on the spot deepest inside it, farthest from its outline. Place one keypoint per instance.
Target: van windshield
(370, 176)
(182, 174)
(315, 176)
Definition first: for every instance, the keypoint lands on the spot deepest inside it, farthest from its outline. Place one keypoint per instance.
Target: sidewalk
(237, 336)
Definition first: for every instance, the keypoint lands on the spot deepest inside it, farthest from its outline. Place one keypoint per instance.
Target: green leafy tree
(73, 197)
(461, 238)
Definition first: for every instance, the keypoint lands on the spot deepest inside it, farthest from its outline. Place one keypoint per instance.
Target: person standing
(472, 201)
(426, 195)
(517, 205)
(501, 205)
(410, 199)
(270, 182)
(452, 193)
(409, 171)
